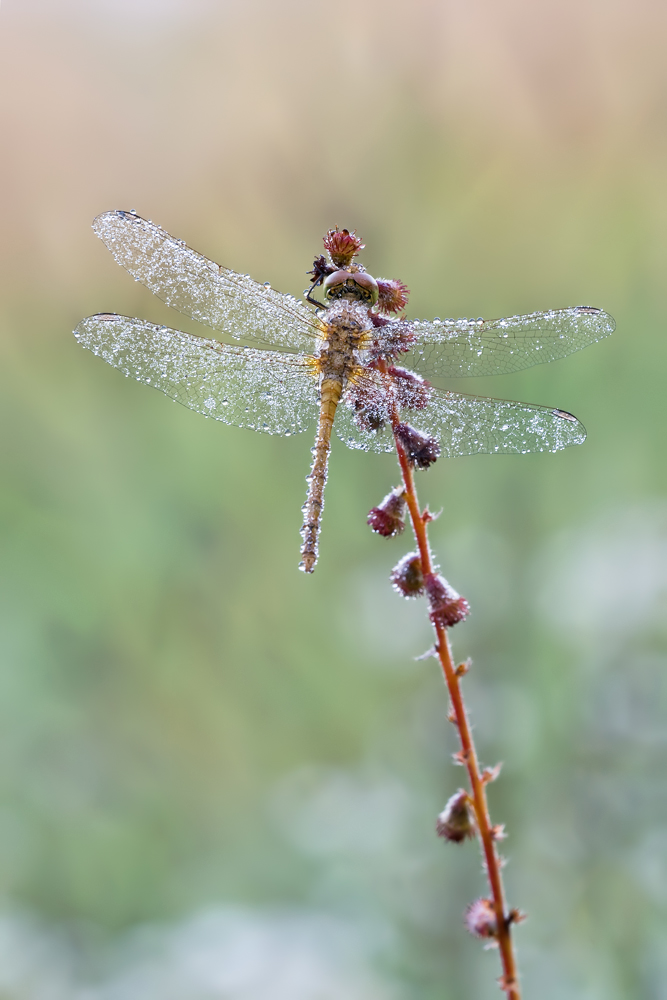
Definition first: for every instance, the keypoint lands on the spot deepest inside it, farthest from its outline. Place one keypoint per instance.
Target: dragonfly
(331, 361)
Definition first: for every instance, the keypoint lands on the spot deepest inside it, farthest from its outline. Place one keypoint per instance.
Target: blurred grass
(164, 665)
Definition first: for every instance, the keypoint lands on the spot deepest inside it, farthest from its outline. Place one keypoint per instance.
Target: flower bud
(392, 295)
(407, 576)
(321, 268)
(412, 391)
(446, 607)
(421, 450)
(455, 822)
(481, 919)
(342, 246)
(387, 519)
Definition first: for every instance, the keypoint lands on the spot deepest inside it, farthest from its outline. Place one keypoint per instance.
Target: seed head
(455, 822)
(392, 295)
(412, 391)
(422, 450)
(387, 518)
(369, 409)
(321, 268)
(446, 606)
(481, 919)
(395, 337)
(342, 246)
(407, 576)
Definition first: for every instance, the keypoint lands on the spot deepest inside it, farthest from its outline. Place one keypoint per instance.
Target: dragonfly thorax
(352, 284)
(347, 331)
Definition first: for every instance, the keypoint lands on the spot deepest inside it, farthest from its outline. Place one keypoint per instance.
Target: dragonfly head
(356, 285)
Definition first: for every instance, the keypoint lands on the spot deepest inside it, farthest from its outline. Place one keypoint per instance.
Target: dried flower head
(481, 919)
(421, 449)
(321, 268)
(387, 518)
(446, 606)
(407, 576)
(342, 246)
(370, 408)
(412, 391)
(396, 338)
(455, 822)
(392, 295)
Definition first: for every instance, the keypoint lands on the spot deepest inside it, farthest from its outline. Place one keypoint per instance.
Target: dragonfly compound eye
(356, 285)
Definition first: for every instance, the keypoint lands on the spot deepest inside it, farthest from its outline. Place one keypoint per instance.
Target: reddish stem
(510, 981)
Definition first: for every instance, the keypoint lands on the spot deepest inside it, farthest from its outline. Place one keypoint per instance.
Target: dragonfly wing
(472, 425)
(263, 390)
(231, 303)
(454, 348)
(351, 434)
(366, 402)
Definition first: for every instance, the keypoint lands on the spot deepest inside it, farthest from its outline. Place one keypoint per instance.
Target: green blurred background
(219, 778)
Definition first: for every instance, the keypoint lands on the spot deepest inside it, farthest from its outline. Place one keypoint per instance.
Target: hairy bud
(321, 268)
(455, 822)
(446, 606)
(407, 576)
(481, 919)
(387, 519)
(421, 450)
(392, 295)
(342, 246)
(412, 391)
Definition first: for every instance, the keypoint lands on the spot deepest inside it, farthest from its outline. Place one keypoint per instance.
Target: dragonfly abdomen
(330, 393)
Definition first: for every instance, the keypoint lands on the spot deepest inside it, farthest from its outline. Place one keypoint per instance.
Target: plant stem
(468, 756)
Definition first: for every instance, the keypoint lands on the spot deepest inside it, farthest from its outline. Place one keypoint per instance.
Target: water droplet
(267, 284)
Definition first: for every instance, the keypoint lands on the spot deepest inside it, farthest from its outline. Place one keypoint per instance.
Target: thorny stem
(468, 756)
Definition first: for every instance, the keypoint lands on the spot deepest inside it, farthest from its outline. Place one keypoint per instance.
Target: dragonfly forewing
(231, 303)
(456, 348)
(262, 390)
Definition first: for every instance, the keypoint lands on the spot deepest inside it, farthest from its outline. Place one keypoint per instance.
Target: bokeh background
(218, 778)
